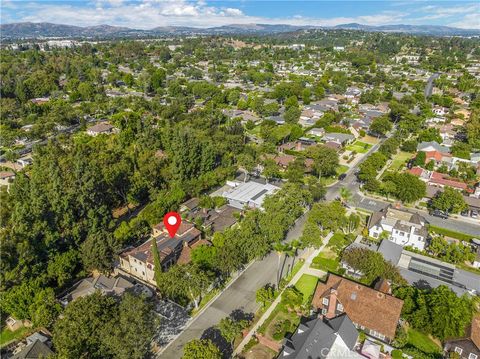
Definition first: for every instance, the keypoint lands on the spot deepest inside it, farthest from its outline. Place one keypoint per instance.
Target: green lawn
(328, 180)
(255, 131)
(6, 335)
(306, 285)
(337, 242)
(325, 264)
(422, 342)
(399, 160)
(450, 233)
(341, 169)
(359, 147)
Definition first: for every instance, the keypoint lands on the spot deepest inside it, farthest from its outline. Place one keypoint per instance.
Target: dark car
(464, 213)
(441, 214)
(342, 176)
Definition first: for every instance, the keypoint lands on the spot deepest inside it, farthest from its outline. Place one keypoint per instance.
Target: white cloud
(469, 21)
(466, 16)
(147, 14)
(233, 12)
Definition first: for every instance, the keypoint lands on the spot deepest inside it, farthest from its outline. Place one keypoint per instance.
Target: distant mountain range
(31, 30)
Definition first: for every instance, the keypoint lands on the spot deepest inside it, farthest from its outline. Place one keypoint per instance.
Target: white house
(403, 228)
(6, 178)
(440, 111)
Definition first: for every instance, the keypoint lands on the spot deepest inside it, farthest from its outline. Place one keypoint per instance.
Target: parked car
(474, 214)
(438, 213)
(464, 213)
(342, 176)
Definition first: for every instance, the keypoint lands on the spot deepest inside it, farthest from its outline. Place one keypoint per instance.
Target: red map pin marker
(172, 221)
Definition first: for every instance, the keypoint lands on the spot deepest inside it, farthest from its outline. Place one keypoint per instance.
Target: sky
(147, 14)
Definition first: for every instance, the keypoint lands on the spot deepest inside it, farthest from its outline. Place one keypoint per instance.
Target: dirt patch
(260, 351)
(370, 139)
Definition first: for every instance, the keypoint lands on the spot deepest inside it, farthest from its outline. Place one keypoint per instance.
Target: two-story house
(322, 338)
(139, 261)
(403, 228)
(469, 346)
(375, 312)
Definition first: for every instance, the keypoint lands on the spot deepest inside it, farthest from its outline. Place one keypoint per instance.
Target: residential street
(370, 204)
(311, 254)
(429, 86)
(239, 296)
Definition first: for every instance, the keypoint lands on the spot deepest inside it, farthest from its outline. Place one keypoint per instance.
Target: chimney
(332, 304)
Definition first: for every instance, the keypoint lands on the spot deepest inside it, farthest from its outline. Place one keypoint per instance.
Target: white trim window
(325, 301)
(472, 356)
(458, 350)
(340, 307)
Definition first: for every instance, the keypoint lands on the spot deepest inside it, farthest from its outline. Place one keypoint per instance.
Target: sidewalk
(305, 268)
(197, 315)
(455, 217)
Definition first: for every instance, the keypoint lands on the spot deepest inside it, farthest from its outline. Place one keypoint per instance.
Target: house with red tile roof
(443, 180)
(437, 157)
(437, 179)
(284, 160)
(373, 311)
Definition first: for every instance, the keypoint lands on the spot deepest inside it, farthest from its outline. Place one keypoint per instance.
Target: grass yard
(422, 342)
(7, 336)
(306, 285)
(328, 181)
(325, 264)
(337, 242)
(359, 147)
(327, 261)
(295, 269)
(450, 233)
(398, 161)
(255, 131)
(341, 169)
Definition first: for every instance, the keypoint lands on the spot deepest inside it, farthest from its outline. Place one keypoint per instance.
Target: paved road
(350, 181)
(371, 204)
(239, 296)
(310, 255)
(429, 86)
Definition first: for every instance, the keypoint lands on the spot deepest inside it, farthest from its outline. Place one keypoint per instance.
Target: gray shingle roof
(36, 350)
(423, 145)
(315, 335)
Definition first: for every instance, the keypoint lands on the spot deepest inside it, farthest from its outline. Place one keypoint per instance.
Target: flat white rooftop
(249, 193)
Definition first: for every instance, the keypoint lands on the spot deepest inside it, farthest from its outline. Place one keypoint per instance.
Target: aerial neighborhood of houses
(326, 183)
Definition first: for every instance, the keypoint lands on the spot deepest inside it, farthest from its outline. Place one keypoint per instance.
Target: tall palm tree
(295, 245)
(345, 194)
(289, 251)
(280, 249)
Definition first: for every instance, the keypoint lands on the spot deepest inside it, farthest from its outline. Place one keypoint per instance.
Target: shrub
(397, 354)
(281, 328)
